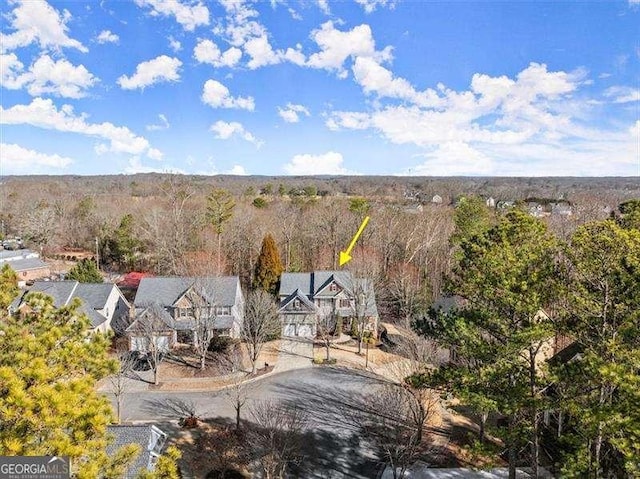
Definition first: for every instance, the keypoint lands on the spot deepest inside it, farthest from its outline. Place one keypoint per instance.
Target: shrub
(259, 202)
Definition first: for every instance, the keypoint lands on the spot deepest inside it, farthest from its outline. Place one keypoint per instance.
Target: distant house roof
(165, 291)
(27, 264)
(313, 283)
(93, 296)
(14, 255)
(150, 439)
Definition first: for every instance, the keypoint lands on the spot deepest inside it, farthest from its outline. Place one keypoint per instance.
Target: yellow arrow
(345, 256)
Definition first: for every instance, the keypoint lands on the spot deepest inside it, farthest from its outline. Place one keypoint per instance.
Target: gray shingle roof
(144, 436)
(311, 283)
(26, 264)
(92, 295)
(165, 291)
(12, 255)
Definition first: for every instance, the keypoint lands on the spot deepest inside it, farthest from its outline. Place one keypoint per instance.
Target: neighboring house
(26, 263)
(150, 439)
(413, 209)
(437, 199)
(178, 305)
(304, 297)
(491, 202)
(103, 303)
(561, 209)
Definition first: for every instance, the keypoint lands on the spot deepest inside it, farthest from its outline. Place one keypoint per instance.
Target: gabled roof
(155, 317)
(299, 295)
(93, 296)
(150, 439)
(26, 264)
(310, 284)
(165, 291)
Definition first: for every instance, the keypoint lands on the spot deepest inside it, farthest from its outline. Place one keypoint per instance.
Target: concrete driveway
(294, 354)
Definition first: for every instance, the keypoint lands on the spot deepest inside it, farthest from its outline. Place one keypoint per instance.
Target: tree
(259, 202)
(120, 381)
(601, 388)
(261, 323)
(268, 267)
(471, 217)
(220, 206)
(85, 271)
(326, 327)
(123, 247)
(49, 367)
(394, 422)
(505, 278)
(275, 437)
(150, 327)
(166, 466)
(8, 286)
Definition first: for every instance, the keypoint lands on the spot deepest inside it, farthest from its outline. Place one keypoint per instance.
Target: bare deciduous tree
(121, 381)
(261, 322)
(275, 437)
(325, 329)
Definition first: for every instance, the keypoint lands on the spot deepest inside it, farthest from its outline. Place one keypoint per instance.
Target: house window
(333, 287)
(296, 304)
(223, 310)
(183, 313)
(344, 303)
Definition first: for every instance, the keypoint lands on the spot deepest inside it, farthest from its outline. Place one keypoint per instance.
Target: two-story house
(179, 306)
(304, 297)
(102, 303)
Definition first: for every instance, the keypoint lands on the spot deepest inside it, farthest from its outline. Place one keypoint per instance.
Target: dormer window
(333, 287)
(296, 304)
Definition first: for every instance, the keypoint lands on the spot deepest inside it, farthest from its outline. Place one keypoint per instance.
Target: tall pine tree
(49, 405)
(268, 267)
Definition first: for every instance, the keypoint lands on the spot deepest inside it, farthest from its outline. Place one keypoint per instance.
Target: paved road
(333, 444)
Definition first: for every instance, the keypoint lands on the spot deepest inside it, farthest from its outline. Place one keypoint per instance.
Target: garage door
(289, 330)
(305, 330)
(162, 343)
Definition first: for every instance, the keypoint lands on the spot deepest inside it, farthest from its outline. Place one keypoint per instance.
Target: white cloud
(216, 95)
(261, 52)
(329, 163)
(16, 159)
(453, 158)
(238, 170)
(35, 21)
(208, 52)
(188, 14)
(162, 68)
(163, 125)
(47, 76)
(494, 110)
(136, 166)
(371, 5)
(291, 113)
(107, 36)
(622, 94)
(174, 44)
(225, 131)
(323, 5)
(337, 46)
(42, 113)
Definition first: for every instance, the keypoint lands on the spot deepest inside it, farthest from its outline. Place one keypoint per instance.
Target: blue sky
(377, 87)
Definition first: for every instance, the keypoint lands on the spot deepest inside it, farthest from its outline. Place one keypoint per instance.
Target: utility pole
(97, 255)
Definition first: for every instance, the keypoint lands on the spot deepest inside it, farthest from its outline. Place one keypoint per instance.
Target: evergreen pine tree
(49, 367)
(268, 267)
(8, 286)
(85, 271)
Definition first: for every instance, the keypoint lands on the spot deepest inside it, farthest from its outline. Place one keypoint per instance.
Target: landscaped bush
(324, 361)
